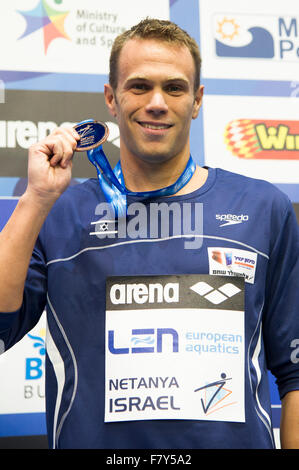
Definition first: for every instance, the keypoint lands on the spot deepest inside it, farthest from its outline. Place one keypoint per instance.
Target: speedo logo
(144, 293)
(231, 219)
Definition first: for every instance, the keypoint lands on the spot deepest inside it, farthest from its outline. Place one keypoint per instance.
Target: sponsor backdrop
(54, 62)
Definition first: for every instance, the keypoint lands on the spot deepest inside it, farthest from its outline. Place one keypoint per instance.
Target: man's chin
(155, 157)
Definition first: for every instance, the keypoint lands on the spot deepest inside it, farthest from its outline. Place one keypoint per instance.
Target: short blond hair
(161, 30)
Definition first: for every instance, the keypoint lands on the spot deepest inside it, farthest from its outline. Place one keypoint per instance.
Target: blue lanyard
(113, 186)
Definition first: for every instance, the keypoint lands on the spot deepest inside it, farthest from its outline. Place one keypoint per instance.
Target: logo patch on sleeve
(232, 262)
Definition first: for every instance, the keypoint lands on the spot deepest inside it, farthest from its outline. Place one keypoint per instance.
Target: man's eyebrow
(177, 79)
(134, 78)
(137, 76)
(170, 79)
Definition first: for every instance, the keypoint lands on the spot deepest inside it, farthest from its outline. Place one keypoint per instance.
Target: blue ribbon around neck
(113, 185)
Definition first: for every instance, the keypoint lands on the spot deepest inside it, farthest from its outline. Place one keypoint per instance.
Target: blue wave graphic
(40, 343)
(148, 340)
(261, 46)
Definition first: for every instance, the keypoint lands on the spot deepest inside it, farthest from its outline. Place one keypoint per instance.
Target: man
(93, 384)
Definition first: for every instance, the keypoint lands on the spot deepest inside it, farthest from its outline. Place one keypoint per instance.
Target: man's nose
(157, 103)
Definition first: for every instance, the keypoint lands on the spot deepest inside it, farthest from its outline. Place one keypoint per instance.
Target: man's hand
(50, 165)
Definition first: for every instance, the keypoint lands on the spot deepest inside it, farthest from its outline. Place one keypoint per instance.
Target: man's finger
(62, 150)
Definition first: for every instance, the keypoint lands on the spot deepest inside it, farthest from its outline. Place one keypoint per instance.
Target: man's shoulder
(256, 188)
(237, 178)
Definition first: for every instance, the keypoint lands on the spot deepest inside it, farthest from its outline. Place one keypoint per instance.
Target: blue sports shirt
(248, 232)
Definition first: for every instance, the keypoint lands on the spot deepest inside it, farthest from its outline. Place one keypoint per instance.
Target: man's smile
(158, 126)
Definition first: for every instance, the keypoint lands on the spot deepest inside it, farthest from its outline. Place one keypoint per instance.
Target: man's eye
(175, 89)
(139, 87)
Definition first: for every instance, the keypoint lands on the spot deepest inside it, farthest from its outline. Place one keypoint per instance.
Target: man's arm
(49, 174)
(289, 426)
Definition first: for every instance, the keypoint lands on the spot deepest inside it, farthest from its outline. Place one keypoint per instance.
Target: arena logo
(263, 139)
(215, 296)
(23, 134)
(141, 293)
(44, 17)
(256, 37)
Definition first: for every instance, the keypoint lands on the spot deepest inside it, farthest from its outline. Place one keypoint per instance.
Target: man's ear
(197, 101)
(110, 99)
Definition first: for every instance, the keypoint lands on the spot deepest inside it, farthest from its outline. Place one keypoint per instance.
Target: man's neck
(144, 176)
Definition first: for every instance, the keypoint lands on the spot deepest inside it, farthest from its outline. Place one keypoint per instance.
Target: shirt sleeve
(14, 325)
(281, 310)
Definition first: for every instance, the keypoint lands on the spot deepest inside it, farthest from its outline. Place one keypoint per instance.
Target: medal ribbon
(113, 185)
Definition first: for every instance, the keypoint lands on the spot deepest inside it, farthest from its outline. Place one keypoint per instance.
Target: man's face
(155, 101)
